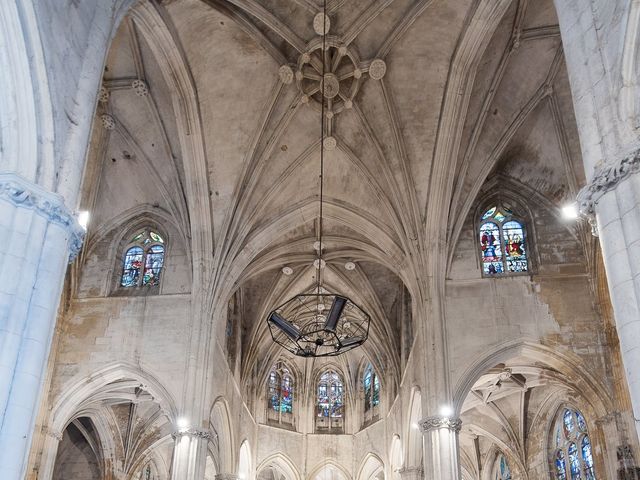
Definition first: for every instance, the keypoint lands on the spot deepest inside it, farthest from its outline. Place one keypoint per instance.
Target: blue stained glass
(330, 396)
(489, 213)
(132, 266)
(568, 423)
(561, 470)
(588, 459)
(371, 385)
(558, 437)
(582, 424)
(499, 216)
(491, 249)
(286, 404)
(574, 462)
(153, 265)
(504, 472)
(274, 395)
(514, 247)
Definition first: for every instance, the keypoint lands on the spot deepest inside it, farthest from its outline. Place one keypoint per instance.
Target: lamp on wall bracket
(320, 324)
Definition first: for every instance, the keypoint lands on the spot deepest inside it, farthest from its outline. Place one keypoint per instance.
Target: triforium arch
(136, 395)
(529, 381)
(280, 464)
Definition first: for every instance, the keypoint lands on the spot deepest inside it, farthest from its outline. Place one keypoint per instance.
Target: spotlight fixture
(304, 324)
(570, 212)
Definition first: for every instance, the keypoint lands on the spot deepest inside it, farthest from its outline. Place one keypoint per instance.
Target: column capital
(606, 178)
(25, 194)
(411, 473)
(227, 476)
(438, 421)
(194, 433)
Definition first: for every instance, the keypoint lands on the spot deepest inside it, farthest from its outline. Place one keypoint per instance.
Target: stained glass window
(572, 453)
(503, 472)
(561, 468)
(280, 394)
(330, 402)
(502, 243)
(371, 384)
(143, 260)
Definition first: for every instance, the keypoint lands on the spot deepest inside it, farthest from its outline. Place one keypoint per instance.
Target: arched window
(503, 247)
(143, 260)
(147, 473)
(280, 395)
(571, 456)
(330, 403)
(503, 472)
(371, 387)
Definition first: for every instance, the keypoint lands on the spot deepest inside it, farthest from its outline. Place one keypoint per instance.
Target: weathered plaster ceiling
(260, 138)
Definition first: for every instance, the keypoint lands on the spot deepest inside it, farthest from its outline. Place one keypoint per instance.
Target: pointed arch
(413, 453)
(371, 468)
(283, 464)
(220, 420)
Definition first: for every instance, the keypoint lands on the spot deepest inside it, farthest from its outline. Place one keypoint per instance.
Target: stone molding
(605, 179)
(53, 433)
(227, 476)
(437, 422)
(194, 433)
(25, 194)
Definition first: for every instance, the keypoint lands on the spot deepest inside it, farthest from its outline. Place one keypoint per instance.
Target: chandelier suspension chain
(322, 122)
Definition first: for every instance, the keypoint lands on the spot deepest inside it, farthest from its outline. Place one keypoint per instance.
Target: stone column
(411, 473)
(441, 447)
(37, 233)
(612, 201)
(227, 476)
(189, 454)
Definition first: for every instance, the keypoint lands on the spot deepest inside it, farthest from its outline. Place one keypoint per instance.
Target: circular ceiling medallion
(319, 21)
(330, 143)
(331, 85)
(286, 74)
(350, 266)
(377, 69)
(340, 81)
(317, 262)
(287, 270)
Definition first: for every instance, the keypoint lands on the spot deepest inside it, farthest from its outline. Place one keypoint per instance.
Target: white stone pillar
(227, 476)
(441, 455)
(189, 454)
(37, 232)
(613, 196)
(411, 473)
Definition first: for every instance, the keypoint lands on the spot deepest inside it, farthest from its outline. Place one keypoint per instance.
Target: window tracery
(503, 243)
(143, 260)
(330, 403)
(280, 386)
(572, 455)
(371, 387)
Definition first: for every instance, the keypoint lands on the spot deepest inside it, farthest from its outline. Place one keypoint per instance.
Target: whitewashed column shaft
(441, 455)
(36, 231)
(189, 455)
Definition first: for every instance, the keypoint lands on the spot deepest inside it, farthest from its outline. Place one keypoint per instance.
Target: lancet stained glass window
(503, 248)
(330, 395)
(503, 472)
(572, 455)
(280, 394)
(143, 260)
(371, 384)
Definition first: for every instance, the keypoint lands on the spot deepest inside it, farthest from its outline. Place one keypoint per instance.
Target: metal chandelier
(319, 324)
